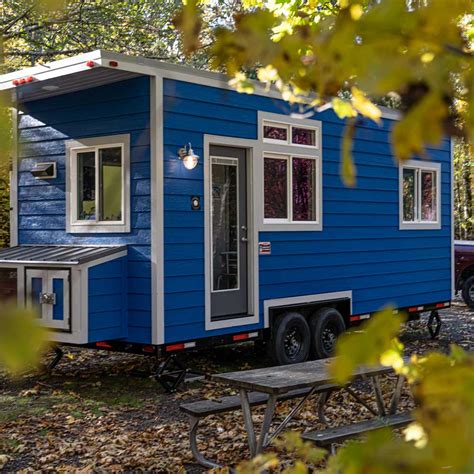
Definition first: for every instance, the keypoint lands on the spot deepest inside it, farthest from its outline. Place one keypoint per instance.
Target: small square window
(303, 136)
(420, 196)
(275, 132)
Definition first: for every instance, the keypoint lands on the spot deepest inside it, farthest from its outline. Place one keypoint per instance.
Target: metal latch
(47, 298)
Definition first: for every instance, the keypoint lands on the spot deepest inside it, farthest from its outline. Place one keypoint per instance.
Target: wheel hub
(329, 337)
(292, 342)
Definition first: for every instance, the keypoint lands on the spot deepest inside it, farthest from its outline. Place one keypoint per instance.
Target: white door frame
(253, 148)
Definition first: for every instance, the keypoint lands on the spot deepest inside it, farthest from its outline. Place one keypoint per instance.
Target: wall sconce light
(188, 157)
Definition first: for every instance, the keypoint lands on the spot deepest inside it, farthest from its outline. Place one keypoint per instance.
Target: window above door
(98, 180)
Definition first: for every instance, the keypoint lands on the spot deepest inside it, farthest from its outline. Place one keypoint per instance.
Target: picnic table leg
(378, 395)
(194, 422)
(323, 399)
(267, 421)
(396, 395)
(247, 412)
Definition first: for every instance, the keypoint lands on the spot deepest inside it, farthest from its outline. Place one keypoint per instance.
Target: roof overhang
(103, 67)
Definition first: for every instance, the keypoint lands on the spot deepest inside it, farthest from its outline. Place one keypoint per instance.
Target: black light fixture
(44, 170)
(188, 157)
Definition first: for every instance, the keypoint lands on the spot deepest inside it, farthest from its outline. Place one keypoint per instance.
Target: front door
(229, 233)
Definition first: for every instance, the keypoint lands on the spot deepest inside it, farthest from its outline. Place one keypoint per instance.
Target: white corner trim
(73, 147)
(253, 147)
(315, 298)
(14, 182)
(420, 165)
(157, 212)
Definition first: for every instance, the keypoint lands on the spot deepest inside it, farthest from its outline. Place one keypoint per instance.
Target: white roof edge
(145, 66)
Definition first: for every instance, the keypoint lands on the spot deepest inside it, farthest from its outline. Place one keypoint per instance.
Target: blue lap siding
(44, 126)
(360, 247)
(107, 301)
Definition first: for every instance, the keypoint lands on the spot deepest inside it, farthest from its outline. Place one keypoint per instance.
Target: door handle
(244, 238)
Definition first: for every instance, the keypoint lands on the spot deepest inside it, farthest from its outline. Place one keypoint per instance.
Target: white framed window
(291, 173)
(291, 189)
(98, 181)
(282, 133)
(420, 195)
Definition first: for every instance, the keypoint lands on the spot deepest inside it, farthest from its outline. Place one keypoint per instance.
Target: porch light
(188, 157)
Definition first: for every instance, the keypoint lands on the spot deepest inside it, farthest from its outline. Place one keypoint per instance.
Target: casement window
(420, 195)
(289, 134)
(99, 184)
(290, 189)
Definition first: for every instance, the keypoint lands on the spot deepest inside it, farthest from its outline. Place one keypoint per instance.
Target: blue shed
(156, 209)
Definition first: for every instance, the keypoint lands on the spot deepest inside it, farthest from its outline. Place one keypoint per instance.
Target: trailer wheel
(468, 292)
(326, 326)
(291, 340)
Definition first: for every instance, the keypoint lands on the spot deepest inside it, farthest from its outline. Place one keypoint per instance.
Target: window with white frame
(420, 195)
(290, 188)
(99, 184)
(291, 172)
(289, 134)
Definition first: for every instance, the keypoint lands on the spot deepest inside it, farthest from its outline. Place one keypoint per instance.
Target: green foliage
(420, 52)
(365, 346)
(22, 338)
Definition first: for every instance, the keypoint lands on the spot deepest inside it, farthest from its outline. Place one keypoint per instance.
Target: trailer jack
(434, 324)
(171, 374)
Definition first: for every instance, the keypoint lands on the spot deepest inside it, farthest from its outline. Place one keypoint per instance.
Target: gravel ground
(103, 411)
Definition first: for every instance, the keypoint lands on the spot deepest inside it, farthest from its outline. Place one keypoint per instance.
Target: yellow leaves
(343, 108)
(267, 74)
(188, 22)
(356, 11)
(364, 346)
(241, 83)
(422, 124)
(427, 57)
(22, 338)
(260, 463)
(364, 106)
(348, 169)
(415, 432)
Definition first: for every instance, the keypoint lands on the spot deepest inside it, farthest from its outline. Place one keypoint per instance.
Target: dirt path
(102, 411)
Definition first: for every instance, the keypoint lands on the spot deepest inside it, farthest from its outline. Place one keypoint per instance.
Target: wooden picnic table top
(283, 379)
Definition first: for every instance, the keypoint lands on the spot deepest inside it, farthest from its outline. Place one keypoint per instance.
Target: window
(290, 189)
(98, 177)
(283, 133)
(420, 195)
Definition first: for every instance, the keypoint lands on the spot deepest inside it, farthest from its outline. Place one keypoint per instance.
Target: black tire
(326, 326)
(468, 292)
(291, 340)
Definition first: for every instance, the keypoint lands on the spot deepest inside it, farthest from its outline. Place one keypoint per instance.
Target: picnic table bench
(271, 385)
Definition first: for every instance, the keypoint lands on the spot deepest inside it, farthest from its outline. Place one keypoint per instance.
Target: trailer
(154, 209)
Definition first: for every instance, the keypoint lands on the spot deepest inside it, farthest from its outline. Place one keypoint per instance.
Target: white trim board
(253, 150)
(14, 182)
(157, 212)
(278, 302)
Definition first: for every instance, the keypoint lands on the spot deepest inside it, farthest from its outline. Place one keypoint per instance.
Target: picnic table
(267, 386)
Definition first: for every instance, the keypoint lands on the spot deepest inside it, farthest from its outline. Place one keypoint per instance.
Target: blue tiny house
(154, 207)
